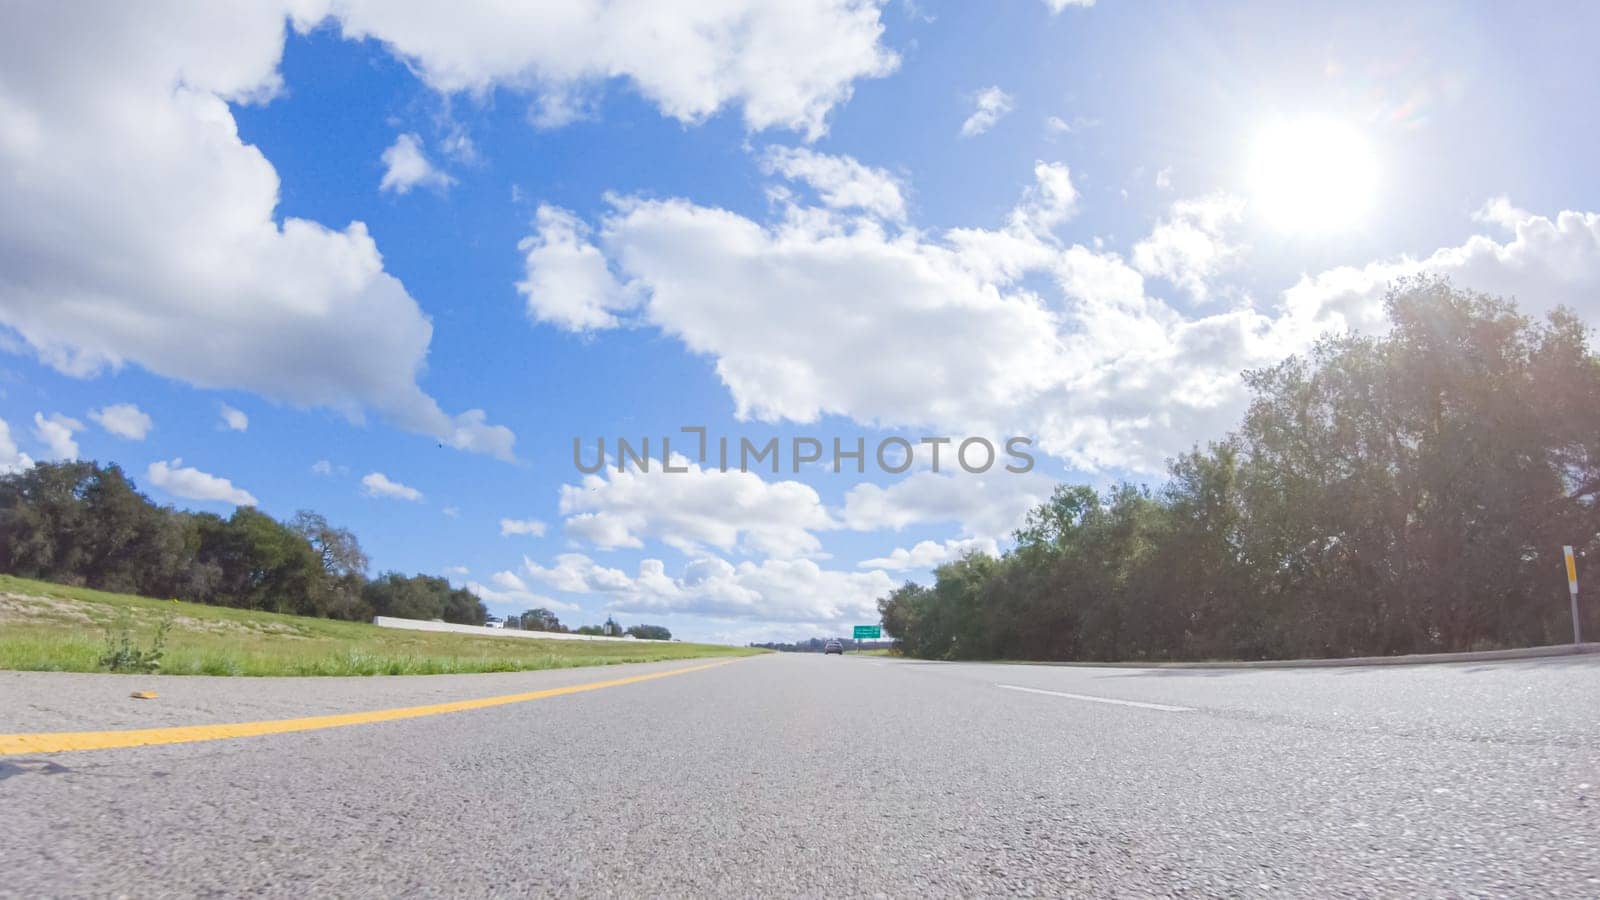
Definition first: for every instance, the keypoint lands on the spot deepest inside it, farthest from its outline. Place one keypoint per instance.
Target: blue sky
(830, 219)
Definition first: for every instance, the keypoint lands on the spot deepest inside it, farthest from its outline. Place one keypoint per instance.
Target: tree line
(542, 619)
(81, 523)
(1409, 492)
(86, 524)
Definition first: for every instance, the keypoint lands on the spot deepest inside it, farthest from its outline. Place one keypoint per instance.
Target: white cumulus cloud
(532, 527)
(773, 590)
(1547, 262)
(840, 182)
(192, 484)
(406, 167)
(567, 282)
(930, 554)
(695, 509)
(990, 105)
(1500, 211)
(781, 64)
(987, 506)
(1191, 246)
(233, 419)
(56, 433)
(377, 484)
(577, 573)
(125, 420)
(12, 460)
(179, 261)
(120, 119)
(827, 314)
(511, 596)
(996, 330)
(508, 581)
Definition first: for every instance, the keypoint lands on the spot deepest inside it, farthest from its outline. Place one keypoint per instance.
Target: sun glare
(1312, 176)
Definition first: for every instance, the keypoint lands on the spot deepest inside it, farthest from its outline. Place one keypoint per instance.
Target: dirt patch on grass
(20, 609)
(276, 629)
(226, 627)
(29, 609)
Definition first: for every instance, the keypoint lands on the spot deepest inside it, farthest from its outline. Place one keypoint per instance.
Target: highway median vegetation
(1406, 493)
(80, 523)
(52, 627)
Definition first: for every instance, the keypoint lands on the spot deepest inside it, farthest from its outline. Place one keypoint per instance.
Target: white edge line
(1161, 706)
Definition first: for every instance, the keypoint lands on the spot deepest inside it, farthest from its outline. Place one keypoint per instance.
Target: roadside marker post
(1572, 591)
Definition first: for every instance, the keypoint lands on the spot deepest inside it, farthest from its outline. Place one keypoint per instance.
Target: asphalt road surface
(802, 775)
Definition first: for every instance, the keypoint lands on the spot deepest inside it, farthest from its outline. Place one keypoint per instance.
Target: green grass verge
(52, 627)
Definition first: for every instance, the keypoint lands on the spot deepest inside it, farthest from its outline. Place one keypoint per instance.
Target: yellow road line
(60, 741)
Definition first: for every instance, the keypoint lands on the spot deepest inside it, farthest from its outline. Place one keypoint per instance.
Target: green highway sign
(868, 631)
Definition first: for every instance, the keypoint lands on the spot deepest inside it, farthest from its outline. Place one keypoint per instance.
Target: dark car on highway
(833, 647)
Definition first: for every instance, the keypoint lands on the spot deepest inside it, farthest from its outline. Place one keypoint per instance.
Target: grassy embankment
(50, 627)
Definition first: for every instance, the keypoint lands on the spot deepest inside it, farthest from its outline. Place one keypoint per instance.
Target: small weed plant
(123, 653)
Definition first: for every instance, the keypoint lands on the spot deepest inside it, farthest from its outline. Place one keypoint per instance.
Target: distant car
(832, 647)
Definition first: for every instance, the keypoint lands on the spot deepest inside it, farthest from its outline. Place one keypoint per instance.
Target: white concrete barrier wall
(427, 625)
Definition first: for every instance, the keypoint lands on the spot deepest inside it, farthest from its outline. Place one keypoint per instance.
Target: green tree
(85, 524)
(80, 523)
(1383, 494)
(541, 619)
(45, 530)
(264, 564)
(343, 561)
(424, 597)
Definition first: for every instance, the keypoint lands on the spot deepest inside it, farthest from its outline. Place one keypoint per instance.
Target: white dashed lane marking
(1158, 706)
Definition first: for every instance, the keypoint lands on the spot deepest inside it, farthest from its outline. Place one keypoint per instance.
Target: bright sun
(1313, 175)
